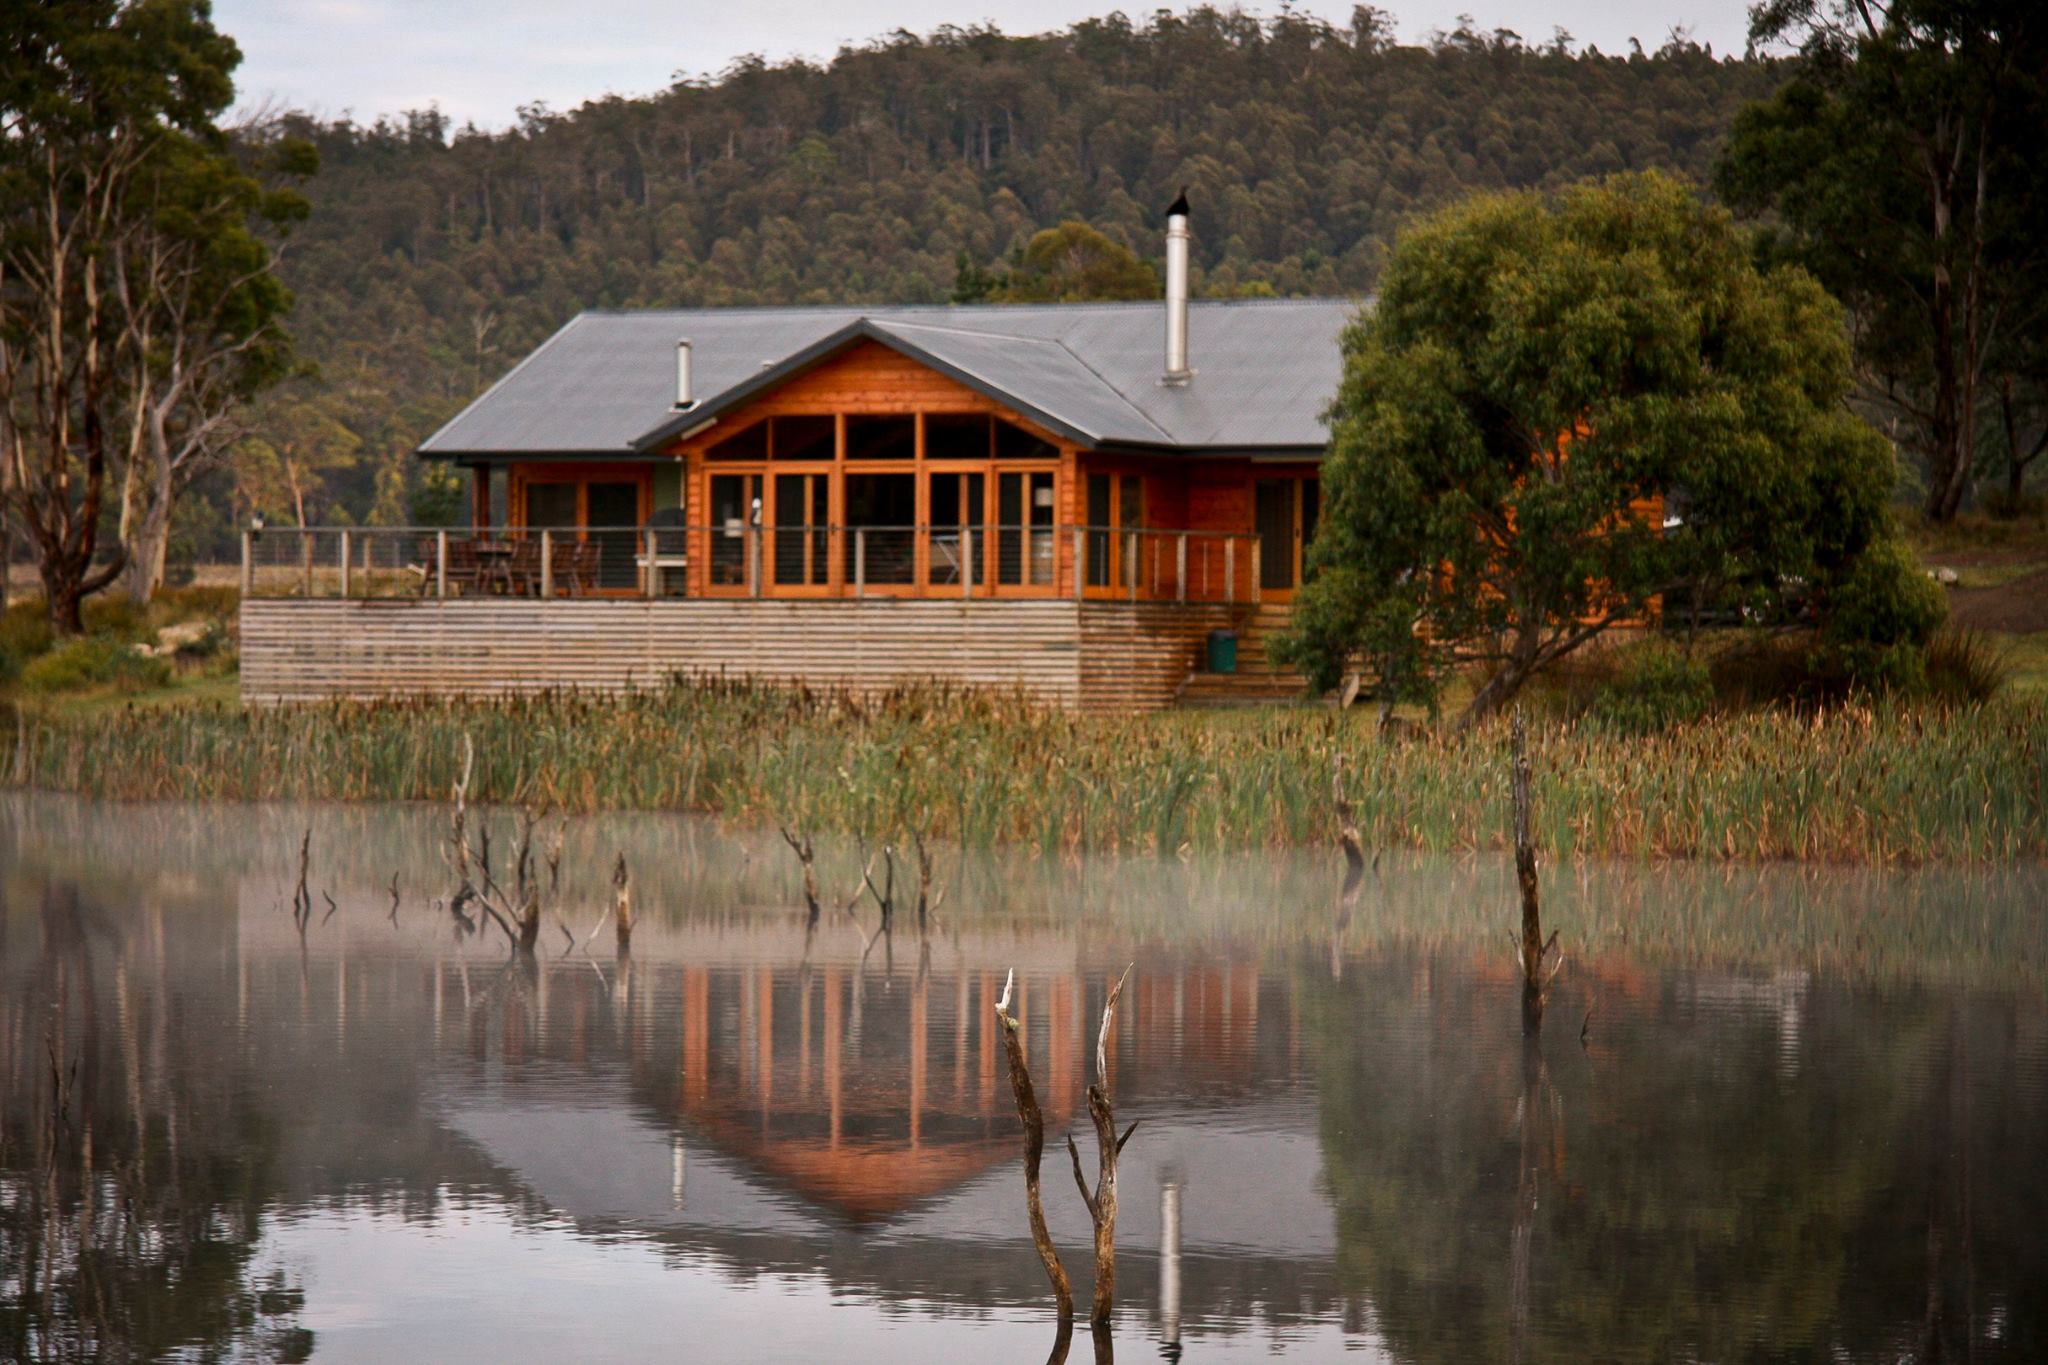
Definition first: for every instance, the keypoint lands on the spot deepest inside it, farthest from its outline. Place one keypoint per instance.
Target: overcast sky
(480, 60)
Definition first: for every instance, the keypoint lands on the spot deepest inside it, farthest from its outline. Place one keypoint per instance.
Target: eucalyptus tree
(1564, 409)
(136, 303)
(1904, 165)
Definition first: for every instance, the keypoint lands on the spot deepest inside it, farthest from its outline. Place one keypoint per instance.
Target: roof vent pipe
(685, 399)
(1177, 371)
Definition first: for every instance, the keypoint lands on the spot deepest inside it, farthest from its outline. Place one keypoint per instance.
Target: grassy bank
(1850, 784)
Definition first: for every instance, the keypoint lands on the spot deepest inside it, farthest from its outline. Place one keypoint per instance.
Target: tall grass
(1851, 784)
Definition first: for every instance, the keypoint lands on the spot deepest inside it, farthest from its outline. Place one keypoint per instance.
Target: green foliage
(436, 258)
(1074, 263)
(1963, 666)
(1537, 375)
(1856, 783)
(437, 499)
(25, 631)
(1880, 616)
(93, 662)
(1903, 166)
(1659, 686)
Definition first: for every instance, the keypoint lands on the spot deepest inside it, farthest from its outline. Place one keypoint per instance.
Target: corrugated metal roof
(1264, 371)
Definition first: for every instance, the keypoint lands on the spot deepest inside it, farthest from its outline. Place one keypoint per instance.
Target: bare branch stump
(1034, 1150)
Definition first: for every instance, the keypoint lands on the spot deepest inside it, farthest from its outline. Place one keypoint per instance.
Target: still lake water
(1774, 1113)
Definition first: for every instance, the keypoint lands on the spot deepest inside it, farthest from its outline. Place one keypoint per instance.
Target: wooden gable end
(867, 377)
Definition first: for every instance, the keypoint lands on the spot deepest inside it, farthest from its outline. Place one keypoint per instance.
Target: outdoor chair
(522, 572)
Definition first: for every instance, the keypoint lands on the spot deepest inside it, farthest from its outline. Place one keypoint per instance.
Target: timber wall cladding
(1097, 656)
(1136, 656)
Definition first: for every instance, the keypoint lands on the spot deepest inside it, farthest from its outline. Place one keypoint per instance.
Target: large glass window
(801, 516)
(614, 515)
(956, 436)
(1100, 487)
(1273, 517)
(881, 438)
(1024, 534)
(735, 505)
(882, 509)
(806, 437)
(551, 506)
(1015, 443)
(748, 443)
(959, 505)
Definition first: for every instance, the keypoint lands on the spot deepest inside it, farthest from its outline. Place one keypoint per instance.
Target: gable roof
(605, 383)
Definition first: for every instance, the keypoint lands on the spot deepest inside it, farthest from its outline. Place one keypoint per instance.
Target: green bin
(1223, 651)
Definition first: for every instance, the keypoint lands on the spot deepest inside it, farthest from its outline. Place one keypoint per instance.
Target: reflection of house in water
(724, 1093)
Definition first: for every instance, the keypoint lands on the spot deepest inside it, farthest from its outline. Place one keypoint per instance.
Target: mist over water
(1775, 1113)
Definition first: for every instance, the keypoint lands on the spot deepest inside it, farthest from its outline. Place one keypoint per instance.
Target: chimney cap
(1179, 207)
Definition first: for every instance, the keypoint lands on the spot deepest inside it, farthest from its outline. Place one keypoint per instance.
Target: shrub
(1963, 666)
(1880, 616)
(1658, 687)
(25, 631)
(116, 616)
(95, 661)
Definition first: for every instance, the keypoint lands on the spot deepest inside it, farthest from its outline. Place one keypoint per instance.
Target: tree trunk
(1533, 948)
(65, 600)
(1514, 671)
(148, 543)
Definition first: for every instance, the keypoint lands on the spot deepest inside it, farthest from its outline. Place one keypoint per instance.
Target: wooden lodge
(1020, 497)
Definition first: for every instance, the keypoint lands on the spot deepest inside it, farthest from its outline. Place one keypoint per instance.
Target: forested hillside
(436, 257)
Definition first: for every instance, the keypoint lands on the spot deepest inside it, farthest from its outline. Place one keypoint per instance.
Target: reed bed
(1853, 784)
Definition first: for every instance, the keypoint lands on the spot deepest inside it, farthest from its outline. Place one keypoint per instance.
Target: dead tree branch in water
(1533, 948)
(1101, 1201)
(518, 916)
(928, 902)
(302, 899)
(622, 905)
(1034, 1150)
(1347, 839)
(801, 846)
(885, 894)
(393, 916)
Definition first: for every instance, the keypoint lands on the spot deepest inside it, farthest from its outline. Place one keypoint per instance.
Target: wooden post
(1230, 570)
(653, 583)
(1080, 564)
(441, 564)
(344, 563)
(547, 564)
(860, 561)
(1180, 568)
(1131, 562)
(753, 544)
(305, 562)
(1533, 948)
(967, 561)
(248, 564)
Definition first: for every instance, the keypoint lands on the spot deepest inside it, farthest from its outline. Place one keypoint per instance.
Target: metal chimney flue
(685, 396)
(1177, 371)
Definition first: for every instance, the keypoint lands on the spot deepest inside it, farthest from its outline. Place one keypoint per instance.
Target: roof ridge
(960, 331)
(872, 309)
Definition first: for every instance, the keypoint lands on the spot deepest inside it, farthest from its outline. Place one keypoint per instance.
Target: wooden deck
(1077, 655)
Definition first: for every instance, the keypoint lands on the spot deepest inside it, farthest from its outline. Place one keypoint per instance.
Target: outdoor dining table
(493, 564)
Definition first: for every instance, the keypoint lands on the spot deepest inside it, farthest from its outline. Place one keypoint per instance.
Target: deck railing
(1130, 564)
